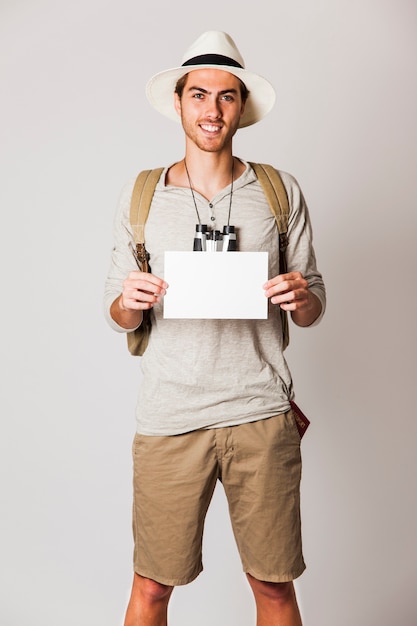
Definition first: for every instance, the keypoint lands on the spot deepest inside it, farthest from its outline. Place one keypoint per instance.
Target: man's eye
(228, 98)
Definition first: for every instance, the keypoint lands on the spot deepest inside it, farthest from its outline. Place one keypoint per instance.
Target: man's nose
(213, 109)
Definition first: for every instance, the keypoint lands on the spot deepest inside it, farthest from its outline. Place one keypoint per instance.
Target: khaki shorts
(259, 465)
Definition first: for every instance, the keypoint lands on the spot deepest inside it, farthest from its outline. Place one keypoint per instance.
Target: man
(214, 401)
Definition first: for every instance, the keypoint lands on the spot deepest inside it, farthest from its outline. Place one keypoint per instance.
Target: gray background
(75, 126)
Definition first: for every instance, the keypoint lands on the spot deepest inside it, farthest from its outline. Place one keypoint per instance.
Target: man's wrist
(126, 318)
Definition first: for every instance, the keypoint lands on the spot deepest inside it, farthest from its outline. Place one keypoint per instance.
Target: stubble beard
(208, 144)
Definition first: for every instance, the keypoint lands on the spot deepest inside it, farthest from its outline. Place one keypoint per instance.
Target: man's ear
(177, 103)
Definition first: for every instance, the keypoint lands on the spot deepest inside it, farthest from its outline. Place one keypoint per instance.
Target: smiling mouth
(210, 128)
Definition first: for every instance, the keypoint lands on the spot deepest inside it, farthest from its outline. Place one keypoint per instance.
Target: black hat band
(212, 59)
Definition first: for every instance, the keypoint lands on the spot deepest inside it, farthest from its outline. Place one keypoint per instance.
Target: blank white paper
(216, 285)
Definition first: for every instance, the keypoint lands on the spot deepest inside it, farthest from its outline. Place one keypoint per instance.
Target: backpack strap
(277, 197)
(140, 203)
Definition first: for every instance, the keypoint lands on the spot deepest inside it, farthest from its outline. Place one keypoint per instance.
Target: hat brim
(160, 92)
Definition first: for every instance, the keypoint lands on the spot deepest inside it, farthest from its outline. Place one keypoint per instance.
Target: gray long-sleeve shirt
(212, 373)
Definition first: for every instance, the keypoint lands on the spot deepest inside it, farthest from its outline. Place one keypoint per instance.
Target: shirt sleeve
(300, 251)
(122, 259)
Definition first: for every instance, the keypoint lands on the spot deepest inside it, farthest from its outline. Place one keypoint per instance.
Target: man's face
(210, 108)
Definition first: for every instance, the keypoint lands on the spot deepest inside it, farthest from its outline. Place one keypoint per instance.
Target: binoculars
(206, 240)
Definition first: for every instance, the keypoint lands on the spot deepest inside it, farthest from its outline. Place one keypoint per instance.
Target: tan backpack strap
(140, 204)
(141, 201)
(276, 195)
(275, 192)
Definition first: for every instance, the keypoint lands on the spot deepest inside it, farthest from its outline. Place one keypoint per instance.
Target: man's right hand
(141, 291)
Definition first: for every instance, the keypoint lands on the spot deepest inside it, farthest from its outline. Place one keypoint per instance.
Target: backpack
(140, 203)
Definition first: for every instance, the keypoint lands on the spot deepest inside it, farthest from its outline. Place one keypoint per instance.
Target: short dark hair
(179, 87)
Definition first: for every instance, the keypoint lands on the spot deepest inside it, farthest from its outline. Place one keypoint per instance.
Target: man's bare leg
(148, 604)
(276, 604)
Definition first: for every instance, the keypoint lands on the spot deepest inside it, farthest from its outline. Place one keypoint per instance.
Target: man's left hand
(290, 291)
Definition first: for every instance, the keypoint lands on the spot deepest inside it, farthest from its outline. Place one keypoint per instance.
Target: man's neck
(208, 172)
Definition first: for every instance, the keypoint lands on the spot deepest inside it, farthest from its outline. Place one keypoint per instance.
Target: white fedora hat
(215, 50)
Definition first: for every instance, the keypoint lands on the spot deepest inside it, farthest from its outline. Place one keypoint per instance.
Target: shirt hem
(226, 424)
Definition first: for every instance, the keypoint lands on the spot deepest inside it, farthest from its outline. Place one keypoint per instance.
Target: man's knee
(151, 591)
(274, 592)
